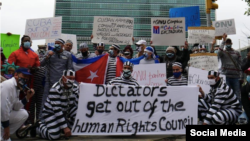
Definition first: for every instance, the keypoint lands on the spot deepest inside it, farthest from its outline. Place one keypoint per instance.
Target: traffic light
(210, 5)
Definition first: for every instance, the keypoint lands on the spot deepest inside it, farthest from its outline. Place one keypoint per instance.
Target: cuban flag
(93, 70)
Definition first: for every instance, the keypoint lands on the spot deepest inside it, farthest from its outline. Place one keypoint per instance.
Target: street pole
(209, 25)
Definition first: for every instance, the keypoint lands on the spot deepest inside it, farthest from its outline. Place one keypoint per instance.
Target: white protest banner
(224, 26)
(150, 74)
(113, 30)
(44, 28)
(130, 110)
(199, 77)
(206, 61)
(201, 35)
(168, 31)
(65, 37)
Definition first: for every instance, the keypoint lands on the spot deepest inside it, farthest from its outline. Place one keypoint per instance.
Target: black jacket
(245, 64)
(245, 90)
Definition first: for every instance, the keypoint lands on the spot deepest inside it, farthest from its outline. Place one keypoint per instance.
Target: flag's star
(92, 75)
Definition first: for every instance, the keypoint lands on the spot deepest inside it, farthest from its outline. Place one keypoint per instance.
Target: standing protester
(220, 106)
(84, 52)
(231, 65)
(111, 71)
(68, 46)
(171, 57)
(60, 108)
(126, 78)
(100, 49)
(140, 46)
(177, 79)
(12, 114)
(149, 56)
(128, 52)
(56, 62)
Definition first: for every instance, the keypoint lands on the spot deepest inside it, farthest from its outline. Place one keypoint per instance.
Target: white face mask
(69, 82)
(211, 82)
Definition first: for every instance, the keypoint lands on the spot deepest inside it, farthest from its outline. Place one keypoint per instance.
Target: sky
(14, 13)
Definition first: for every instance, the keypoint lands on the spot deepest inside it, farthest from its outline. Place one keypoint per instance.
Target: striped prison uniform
(123, 81)
(220, 106)
(111, 72)
(59, 111)
(172, 81)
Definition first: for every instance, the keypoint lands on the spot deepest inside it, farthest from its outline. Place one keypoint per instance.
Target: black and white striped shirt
(123, 81)
(111, 71)
(59, 102)
(221, 97)
(172, 81)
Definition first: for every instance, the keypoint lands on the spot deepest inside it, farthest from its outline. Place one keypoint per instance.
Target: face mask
(216, 51)
(57, 47)
(22, 82)
(26, 45)
(195, 52)
(202, 51)
(126, 73)
(248, 78)
(228, 46)
(8, 76)
(69, 82)
(170, 55)
(126, 53)
(111, 52)
(84, 53)
(182, 49)
(146, 55)
(100, 51)
(211, 82)
(177, 74)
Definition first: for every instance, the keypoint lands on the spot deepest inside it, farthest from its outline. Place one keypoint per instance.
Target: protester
(59, 109)
(195, 48)
(172, 57)
(149, 56)
(202, 49)
(231, 65)
(12, 114)
(177, 79)
(8, 71)
(128, 52)
(56, 62)
(220, 106)
(68, 46)
(140, 46)
(111, 71)
(84, 52)
(155, 53)
(126, 78)
(100, 49)
(214, 48)
(246, 61)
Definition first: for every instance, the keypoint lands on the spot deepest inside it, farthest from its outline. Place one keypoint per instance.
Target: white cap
(140, 42)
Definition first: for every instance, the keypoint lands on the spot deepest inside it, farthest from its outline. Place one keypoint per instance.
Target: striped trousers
(221, 117)
(50, 128)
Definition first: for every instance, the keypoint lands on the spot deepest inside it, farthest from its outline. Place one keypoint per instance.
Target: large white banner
(65, 37)
(168, 31)
(113, 30)
(44, 28)
(127, 110)
(205, 61)
(201, 35)
(224, 26)
(199, 77)
(150, 74)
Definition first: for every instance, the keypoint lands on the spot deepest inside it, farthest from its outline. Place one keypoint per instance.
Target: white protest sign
(199, 77)
(44, 28)
(168, 31)
(113, 30)
(65, 37)
(206, 61)
(201, 35)
(150, 74)
(130, 110)
(224, 26)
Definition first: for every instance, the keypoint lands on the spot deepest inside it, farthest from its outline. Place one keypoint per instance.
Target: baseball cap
(23, 71)
(141, 42)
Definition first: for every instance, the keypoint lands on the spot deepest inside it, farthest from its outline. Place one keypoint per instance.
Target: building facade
(78, 15)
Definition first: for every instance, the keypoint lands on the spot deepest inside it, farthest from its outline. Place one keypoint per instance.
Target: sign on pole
(150, 74)
(168, 31)
(191, 14)
(224, 26)
(205, 61)
(9, 43)
(201, 35)
(113, 30)
(44, 28)
(130, 110)
(65, 37)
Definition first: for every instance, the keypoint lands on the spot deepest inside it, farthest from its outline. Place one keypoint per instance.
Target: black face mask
(84, 53)
(100, 51)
